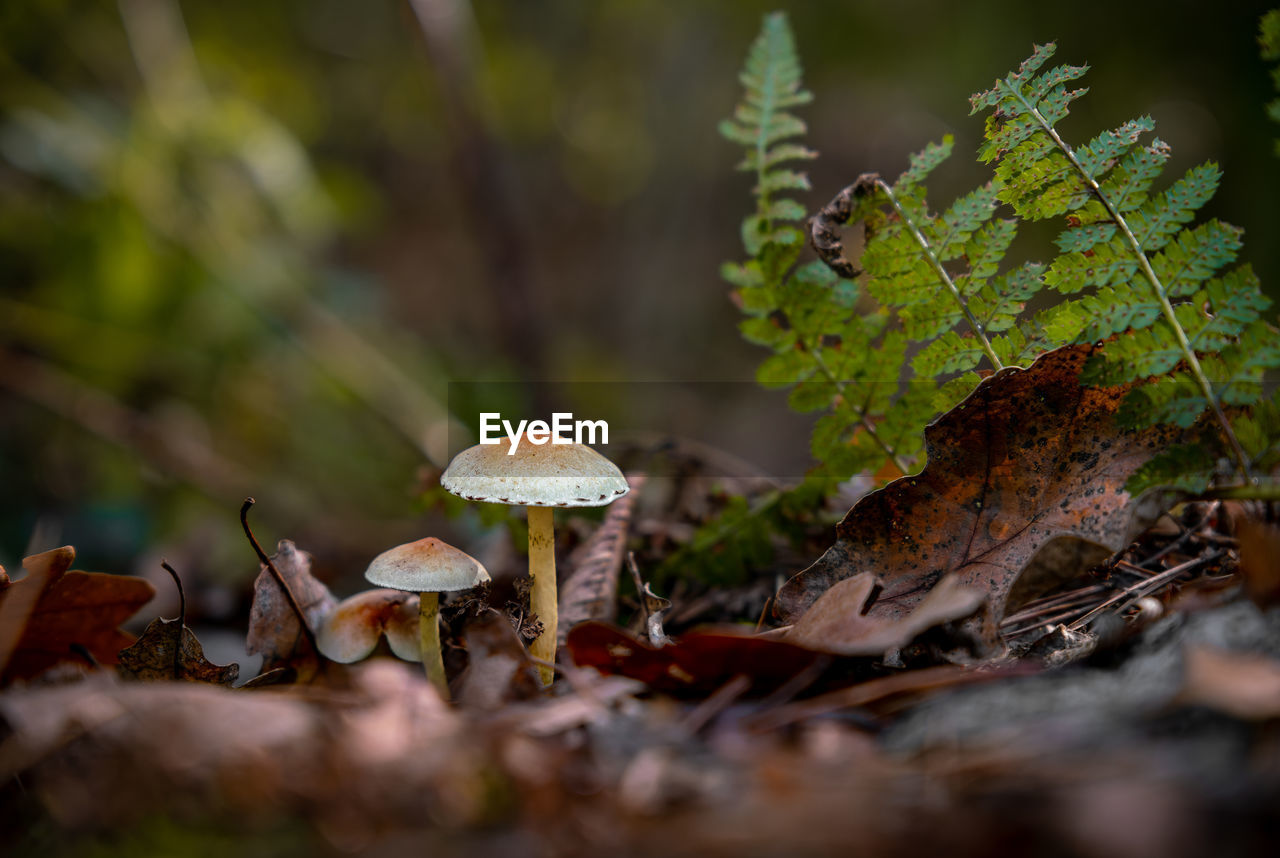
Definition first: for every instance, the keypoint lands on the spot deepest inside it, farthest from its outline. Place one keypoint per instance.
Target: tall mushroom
(537, 477)
(427, 567)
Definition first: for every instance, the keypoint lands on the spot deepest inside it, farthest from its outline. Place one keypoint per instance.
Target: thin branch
(266, 561)
(1142, 588)
(182, 618)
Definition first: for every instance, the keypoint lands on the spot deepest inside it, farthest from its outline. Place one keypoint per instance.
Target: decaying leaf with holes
(154, 657)
(56, 615)
(1029, 456)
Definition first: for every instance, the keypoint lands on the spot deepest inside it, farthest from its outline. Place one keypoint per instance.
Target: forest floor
(1134, 710)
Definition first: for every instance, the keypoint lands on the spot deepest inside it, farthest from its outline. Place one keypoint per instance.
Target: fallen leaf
(152, 657)
(1260, 560)
(652, 606)
(837, 624)
(1243, 685)
(499, 670)
(275, 631)
(17, 603)
(52, 612)
(1029, 456)
(695, 663)
(591, 591)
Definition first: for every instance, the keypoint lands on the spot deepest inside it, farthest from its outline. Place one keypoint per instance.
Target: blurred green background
(246, 245)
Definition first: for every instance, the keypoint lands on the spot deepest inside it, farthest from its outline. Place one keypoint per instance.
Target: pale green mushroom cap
(537, 475)
(426, 566)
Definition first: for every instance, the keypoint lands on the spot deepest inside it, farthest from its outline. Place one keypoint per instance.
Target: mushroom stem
(429, 635)
(542, 599)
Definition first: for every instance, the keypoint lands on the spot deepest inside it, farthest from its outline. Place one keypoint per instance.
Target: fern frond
(805, 314)
(1150, 273)
(909, 249)
(942, 274)
(1185, 467)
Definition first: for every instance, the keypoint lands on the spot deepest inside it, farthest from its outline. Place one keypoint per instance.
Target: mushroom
(427, 567)
(537, 477)
(351, 632)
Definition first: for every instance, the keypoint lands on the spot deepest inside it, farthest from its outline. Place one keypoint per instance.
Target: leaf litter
(888, 715)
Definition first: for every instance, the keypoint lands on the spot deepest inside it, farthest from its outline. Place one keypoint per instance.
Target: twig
(721, 699)
(1037, 608)
(182, 618)
(266, 561)
(1143, 588)
(1185, 536)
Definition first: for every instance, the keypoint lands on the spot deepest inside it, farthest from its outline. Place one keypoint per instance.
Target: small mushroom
(537, 477)
(427, 567)
(351, 632)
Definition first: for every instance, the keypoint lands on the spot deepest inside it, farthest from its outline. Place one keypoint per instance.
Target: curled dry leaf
(836, 623)
(55, 614)
(275, 631)
(1029, 456)
(152, 657)
(591, 592)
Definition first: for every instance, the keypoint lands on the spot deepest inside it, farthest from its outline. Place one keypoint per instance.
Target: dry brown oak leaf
(56, 614)
(274, 629)
(155, 656)
(1029, 456)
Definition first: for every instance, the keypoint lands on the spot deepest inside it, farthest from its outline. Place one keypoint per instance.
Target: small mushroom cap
(426, 566)
(537, 475)
(351, 632)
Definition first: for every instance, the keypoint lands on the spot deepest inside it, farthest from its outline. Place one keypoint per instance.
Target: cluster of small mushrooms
(538, 477)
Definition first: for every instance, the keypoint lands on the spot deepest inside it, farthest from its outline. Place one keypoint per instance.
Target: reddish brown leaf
(17, 603)
(274, 628)
(1029, 456)
(52, 612)
(152, 657)
(696, 663)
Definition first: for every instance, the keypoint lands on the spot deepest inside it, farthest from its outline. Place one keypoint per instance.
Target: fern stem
(1263, 491)
(938, 268)
(1156, 286)
(866, 424)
